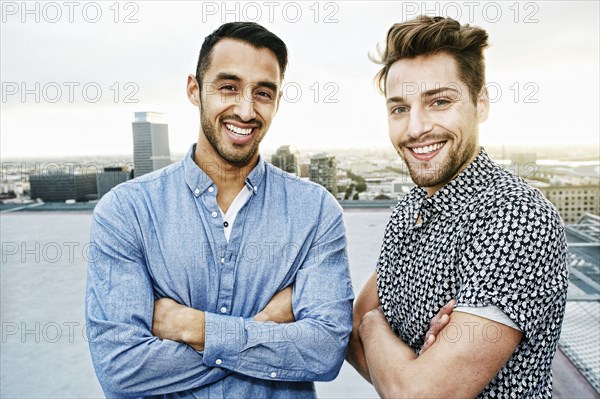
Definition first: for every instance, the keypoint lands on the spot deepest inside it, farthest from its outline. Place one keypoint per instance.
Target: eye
(228, 88)
(264, 94)
(399, 110)
(440, 102)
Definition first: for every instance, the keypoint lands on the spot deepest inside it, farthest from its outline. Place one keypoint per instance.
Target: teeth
(238, 130)
(427, 149)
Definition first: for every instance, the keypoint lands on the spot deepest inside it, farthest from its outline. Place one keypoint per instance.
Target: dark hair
(249, 32)
(425, 35)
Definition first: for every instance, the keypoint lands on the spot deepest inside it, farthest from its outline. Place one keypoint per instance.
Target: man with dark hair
(470, 233)
(220, 276)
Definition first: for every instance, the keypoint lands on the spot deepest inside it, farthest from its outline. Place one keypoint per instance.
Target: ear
(193, 90)
(483, 105)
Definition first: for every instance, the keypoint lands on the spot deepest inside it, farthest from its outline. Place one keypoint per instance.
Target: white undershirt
(489, 312)
(234, 208)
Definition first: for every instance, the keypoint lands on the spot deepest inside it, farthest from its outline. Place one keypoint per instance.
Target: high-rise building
(323, 170)
(150, 142)
(110, 177)
(287, 158)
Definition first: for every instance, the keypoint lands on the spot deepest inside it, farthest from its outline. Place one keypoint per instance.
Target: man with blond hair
(470, 233)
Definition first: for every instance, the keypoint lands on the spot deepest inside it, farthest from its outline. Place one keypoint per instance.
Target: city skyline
(77, 97)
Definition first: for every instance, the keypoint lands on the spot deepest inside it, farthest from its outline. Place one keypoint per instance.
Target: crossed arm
(187, 325)
(467, 355)
(131, 360)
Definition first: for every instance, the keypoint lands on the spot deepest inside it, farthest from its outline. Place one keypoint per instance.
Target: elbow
(331, 360)
(326, 367)
(116, 383)
(120, 374)
(328, 372)
(116, 389)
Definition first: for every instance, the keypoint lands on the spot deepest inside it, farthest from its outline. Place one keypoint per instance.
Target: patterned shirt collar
(198, 181)
(459, 191)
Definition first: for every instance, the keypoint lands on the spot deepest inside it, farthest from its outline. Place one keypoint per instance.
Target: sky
(73, 73)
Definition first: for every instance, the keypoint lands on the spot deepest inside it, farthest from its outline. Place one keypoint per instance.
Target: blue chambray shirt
(161, 235)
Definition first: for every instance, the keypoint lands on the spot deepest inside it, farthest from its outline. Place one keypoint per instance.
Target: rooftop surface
(44, 351)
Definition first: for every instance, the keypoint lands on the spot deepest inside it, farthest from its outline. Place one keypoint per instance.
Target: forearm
(367, 300)
(460, 367)
(128, 359)
(305, 350)
(180, 323)
(356, 356)
(390, 362)
(130, 362)
(313, 350)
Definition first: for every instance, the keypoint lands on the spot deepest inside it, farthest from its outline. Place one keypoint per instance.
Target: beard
(239, 155)
(436, 173)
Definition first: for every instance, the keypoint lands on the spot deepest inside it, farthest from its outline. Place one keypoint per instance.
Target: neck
(432, 190)
(228, 177)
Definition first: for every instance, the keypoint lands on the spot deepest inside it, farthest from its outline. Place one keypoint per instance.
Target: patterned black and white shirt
(487, 239)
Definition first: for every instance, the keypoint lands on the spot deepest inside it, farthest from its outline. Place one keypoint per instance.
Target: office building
(63, 186)
(572, 202)
(287, 158)
(111, 177)
(150, 142)
(323, 170)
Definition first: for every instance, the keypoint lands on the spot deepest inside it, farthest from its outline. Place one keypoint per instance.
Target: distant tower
(323, 170)
(287, 158)
(150, 142)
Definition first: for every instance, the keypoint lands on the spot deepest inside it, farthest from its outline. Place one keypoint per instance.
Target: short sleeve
(515, 259)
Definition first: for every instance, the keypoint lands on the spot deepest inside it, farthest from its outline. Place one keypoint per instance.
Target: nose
(244, 108)
(419, 123)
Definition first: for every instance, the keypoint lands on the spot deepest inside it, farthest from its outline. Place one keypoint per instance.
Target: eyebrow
(229, 76)
(427, 93)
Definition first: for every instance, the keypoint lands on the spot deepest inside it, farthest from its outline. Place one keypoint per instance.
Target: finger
(449, 306)
(428, 342)
(442, 322)
(435, 328)
(447, 309)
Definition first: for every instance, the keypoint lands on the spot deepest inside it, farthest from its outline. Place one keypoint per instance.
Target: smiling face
(433, 123)
(239, 98)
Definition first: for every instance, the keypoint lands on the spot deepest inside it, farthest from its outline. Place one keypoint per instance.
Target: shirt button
(197, 191)
(273, 374)
(214, 214)
(223, 309)
(255, 189)
(222, 260)
(225, 224)
(211, 189)
(218, 361)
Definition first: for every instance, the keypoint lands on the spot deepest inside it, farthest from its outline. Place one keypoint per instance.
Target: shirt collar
(462, 188)
(198, 181)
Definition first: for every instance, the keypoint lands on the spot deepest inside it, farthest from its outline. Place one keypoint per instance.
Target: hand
(279, 309)
(436, 325)
(178, 323)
